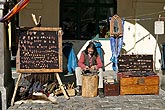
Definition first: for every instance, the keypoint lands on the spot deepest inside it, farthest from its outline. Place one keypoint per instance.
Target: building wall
(143, 9)
(48, 9)
(127, 9)
(147, 12)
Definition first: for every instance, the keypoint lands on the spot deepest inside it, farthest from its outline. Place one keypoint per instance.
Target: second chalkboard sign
(39, 50)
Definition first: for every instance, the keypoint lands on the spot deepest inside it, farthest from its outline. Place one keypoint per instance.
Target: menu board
(39, 50)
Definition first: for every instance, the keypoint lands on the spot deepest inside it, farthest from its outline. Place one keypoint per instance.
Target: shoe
(101, 93)
(79, 91)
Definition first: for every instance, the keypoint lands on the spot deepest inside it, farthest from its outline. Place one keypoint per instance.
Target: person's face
(90, 51)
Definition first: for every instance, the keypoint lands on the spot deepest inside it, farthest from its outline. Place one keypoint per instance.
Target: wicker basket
(71, 92)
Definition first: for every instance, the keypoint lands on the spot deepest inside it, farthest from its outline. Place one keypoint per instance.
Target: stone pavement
(124, 102)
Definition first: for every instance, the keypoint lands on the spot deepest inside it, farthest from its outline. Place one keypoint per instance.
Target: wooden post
(89, 85)
(61, 85)
(15, 89)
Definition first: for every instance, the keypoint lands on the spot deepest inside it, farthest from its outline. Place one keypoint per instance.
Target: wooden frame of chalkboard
(39, 50)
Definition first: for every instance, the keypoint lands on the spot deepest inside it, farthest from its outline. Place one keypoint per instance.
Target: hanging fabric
(68, 51)
(116, 39)
(19, 6)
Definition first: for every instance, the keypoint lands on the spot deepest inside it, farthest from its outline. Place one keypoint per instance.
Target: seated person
(89, 60)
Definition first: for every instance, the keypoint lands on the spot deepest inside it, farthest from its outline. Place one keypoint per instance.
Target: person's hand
(93, 67)
(86, 68)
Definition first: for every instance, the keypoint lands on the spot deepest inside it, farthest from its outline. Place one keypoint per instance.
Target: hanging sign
(159, 27)
(116, 26)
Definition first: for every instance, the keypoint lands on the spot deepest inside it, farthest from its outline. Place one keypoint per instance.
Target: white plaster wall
(137, 43)
(147, 11)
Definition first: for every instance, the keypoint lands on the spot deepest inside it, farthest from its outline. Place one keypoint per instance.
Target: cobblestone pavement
(125, 102)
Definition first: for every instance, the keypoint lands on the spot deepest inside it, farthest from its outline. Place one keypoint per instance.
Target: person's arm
(81, 62)
(99, 63)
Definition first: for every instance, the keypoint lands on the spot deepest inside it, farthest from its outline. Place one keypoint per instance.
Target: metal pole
(6, 81)
(154, 62)
(3, 104)
(2, 36)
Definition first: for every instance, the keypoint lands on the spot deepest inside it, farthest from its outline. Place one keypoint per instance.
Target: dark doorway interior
(83, 19)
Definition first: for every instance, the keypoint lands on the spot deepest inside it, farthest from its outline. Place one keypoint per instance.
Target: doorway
(83, 19)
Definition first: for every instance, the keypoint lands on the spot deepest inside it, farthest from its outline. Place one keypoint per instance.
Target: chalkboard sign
(135, 63)
(39, 50)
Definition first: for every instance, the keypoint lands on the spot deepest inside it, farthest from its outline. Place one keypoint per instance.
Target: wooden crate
(144, 83)
(111, 89)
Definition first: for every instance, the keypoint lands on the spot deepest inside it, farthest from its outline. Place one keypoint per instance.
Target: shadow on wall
(163, 80)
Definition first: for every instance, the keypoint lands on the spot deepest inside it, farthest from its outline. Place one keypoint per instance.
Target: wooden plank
(40, 28)
(150, 80)
(139, 89)
(38, 70)
(15, 89)
(61, 86)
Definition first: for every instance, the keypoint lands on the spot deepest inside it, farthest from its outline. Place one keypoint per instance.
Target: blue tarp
(68, 51)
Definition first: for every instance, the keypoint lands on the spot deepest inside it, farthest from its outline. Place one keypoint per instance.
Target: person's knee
(100, 73)
(78, 69)
(100, 70)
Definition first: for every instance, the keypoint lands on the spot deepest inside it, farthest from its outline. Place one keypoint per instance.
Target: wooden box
(111, 89)
(138, 83)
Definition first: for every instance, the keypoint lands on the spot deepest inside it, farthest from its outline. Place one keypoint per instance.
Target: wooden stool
(89, 85)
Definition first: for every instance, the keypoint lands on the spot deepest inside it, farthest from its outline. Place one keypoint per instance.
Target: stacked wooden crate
(136, 75)
(111, 89)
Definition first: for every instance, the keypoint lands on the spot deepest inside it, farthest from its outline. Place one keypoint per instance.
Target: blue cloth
(72, 61)
(100, 51)
(68, 51)
(116, 46)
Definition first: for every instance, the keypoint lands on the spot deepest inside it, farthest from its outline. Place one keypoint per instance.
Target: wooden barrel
(89, 85)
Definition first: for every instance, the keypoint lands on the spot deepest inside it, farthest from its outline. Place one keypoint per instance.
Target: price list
(39, 49)
(135, 63)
